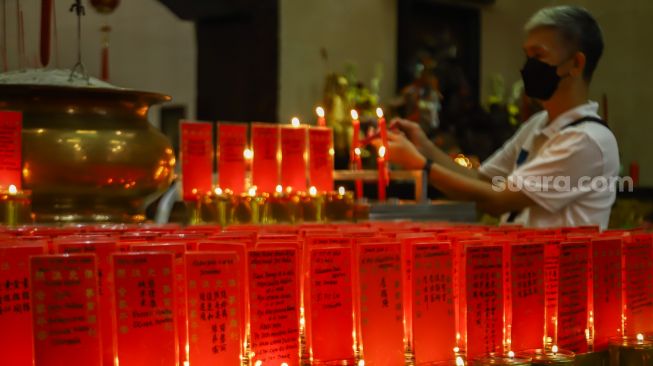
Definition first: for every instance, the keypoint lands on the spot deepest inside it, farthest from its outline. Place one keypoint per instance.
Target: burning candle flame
(354, 114)
(357, 151)
(554, 349)
(361, 363)
(511, 354)
(295, 122)
(218, 191)
(379, 112)
(252, 191)
(259, 363)
(13, 189)
(248, 154)
(456, 350)
(640, 338)
(382, 152)
(341, 191)
(312, 191)
(279, 188)
(284, 364)
(459, 361)
(320, 112)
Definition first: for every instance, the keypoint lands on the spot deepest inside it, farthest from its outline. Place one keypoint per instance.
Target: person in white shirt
(559, 169)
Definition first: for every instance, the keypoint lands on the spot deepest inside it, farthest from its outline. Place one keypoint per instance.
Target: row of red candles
(289, 156)
(374, 292)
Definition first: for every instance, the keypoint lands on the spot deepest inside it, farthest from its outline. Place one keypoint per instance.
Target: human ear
(579, 64)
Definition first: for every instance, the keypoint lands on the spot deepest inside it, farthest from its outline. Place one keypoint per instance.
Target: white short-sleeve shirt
(568, 171)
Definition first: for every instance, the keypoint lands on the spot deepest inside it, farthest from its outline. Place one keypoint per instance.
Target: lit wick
(312, 191)
(640, 338)
(554, 349)
(248, 154)
(279, 189)
(295, 122)
(511, 355)
(341, 191)
(13, 190)
(218, 191)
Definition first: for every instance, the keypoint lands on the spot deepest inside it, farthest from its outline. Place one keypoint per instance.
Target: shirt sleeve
(561, 173)
(502, 162)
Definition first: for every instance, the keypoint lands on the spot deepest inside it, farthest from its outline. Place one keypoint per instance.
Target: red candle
(356, 134)
(356, 151)
(382, 182)
(321, 121)
(382, 127)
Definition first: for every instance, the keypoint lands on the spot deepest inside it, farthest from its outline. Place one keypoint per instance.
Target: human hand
(402, 152)
(413, 132)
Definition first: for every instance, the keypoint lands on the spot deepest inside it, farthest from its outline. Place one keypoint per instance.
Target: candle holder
(242, 209)
(339, 206)
(601, 358)
(312, 206)
(498, 359)
(544, 357)
(631, 351)
(283, 207)
(15, 207)
(218, 207)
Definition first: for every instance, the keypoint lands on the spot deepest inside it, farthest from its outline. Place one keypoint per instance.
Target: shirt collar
(589, 109)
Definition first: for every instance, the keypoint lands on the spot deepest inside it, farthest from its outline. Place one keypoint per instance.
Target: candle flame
(295, 122)
(456, 350)
(218, 191)
(640, 338)
(320, 112)
(289, 189)
(341, 191)
(379, 112)
(312, 191)
(13, 189)
(279, 188)
(382, 152)
(354, 114)
(357, 151)
(284, 364)
(248, 154)
(511, 354)
(459, 361)
(554, 349)
(361, 363)
(252, 191)
(259, 363)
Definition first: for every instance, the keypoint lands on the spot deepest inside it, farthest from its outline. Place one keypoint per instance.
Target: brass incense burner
(90, 154)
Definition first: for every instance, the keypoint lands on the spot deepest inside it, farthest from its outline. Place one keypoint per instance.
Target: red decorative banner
(638, 284)
(432, 302)
(525, 297)
(232, 166)
(293, 157)
(573, 284)
(144, 292)
(607, 294)
(215, 307)
(102, 250)
(65, 310)
(379, 293)
(196, 158)
(178, 250)
(10, 149)
(321, 164)
(330, 320)
(274, 306)
(484, 298)
(15, 314)
(265, 164)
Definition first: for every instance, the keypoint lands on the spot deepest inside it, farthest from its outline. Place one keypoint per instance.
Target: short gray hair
(577, 27)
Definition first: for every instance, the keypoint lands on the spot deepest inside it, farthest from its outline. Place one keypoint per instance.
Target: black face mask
(540, 79)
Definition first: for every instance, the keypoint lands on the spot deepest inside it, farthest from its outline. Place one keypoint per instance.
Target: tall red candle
(321, 121)
(382, 166)
(355, 151)
(383, 128)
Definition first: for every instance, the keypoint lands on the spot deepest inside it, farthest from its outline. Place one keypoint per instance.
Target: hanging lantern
(105, 6)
